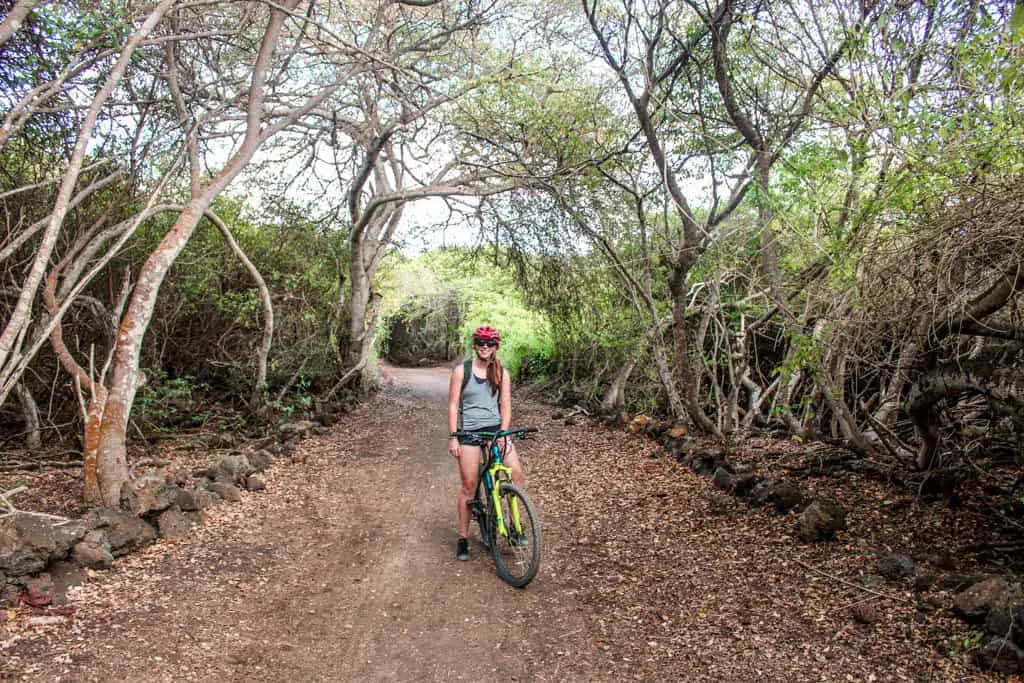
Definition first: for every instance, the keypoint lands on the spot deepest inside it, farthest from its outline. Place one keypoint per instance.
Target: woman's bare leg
(511, 458)
(469, 468)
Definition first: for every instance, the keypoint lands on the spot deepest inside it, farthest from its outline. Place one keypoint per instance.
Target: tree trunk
(268, 311)
(90, 450)
(739, 371)
(832, 393)
(16, 16)
(890, 402)
(686, 377)
(358, 305)
(668, 381)
(366, 247)
(14, 332)
(111, 453)
(613, 395)
(1005, 385)
(30, 411)
(112, 447)
(765, 216)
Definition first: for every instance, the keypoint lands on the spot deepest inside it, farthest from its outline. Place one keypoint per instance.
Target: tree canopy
(785, 215)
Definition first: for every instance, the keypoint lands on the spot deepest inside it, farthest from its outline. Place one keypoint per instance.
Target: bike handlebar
(484, 437)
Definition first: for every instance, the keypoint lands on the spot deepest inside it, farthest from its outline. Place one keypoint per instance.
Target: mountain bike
(509, 525)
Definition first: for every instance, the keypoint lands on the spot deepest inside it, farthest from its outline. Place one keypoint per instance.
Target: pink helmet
(486, 333)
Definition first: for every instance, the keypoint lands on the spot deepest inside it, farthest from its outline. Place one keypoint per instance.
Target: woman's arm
(454, 394)
(505, 400)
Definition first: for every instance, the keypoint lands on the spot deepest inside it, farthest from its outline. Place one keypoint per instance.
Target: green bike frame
(493, 477)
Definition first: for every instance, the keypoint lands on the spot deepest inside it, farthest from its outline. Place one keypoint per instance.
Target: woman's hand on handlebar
(454, 449)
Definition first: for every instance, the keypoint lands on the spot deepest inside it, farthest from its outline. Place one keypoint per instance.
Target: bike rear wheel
(516, 551)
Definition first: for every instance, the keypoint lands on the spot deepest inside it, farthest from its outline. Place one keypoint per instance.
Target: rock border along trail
(344, 570)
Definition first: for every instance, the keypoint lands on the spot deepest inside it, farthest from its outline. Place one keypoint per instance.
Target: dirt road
(344, 570)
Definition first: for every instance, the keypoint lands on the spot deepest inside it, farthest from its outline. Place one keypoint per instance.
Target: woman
(481, 404)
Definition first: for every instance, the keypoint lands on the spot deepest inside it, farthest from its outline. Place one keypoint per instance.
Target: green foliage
(243, 308)
(54, 36)
(489, 296)
(300, 399)
(546, 118)
(210, 316)
(1017, 22)
(526, 337)
(805, 354)
(165, 402)
(964, 643)
(924, 107)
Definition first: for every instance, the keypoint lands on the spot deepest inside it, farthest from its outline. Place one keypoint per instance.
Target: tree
(250, 115)
(106, 432)
(398, 133)
(14, 358)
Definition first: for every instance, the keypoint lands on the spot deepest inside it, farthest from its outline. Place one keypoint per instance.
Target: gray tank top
(479, 405)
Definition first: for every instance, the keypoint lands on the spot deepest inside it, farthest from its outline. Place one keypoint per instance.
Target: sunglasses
(490, 343)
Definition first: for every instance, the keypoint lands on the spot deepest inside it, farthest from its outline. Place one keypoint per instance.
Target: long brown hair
(494, 372)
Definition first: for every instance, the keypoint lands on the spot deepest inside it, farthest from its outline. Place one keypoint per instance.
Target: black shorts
(467, 441)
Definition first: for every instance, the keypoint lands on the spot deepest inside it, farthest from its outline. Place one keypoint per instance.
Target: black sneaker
(462, 549)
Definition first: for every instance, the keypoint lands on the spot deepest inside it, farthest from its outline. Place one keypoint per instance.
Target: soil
(344, 569)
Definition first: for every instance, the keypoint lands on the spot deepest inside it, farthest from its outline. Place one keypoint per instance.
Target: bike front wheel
(516, 543)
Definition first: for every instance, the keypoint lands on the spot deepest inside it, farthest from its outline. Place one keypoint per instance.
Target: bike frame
(491, 476)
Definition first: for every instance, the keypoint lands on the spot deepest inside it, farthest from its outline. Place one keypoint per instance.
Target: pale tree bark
(739, 368)
(125, 380)
(89, 381)
(1005, 385)
(360, 354)
(660, 60)
(614, 395)
(832, 393)
(639, 284)
(370, 237)
(376, 202)
(73, 279)
(11, 246)
(14, 333)
(892, 395)
(783, 401)
(268, 310)
(30, 411)
(12, 23)
(195, 169)
(939, 381)
(42, 95)
(395, 101)
(376, 199)
(721, 356)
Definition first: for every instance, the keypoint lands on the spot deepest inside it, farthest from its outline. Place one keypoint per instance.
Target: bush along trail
(328, 555)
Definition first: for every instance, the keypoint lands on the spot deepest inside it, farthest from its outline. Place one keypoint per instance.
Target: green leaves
(1017, 21)
(489, 296)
